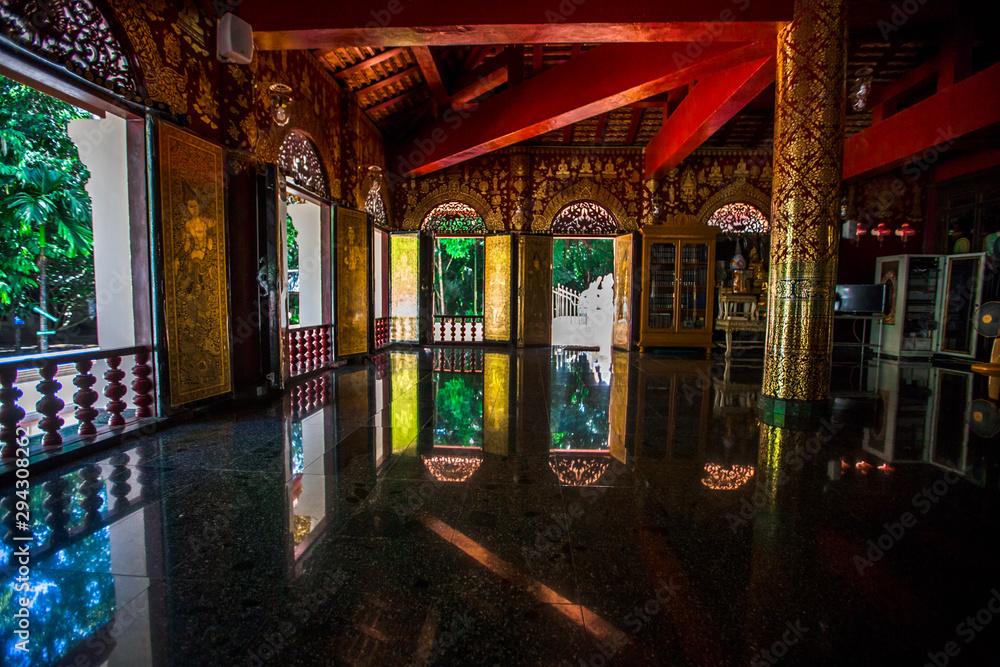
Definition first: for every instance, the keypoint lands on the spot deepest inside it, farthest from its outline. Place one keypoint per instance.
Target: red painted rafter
(384, 83)
(602, 122)
(306, 24)
(425, 60)
(633, 126)
(710, 104)
(481, 81)
(368, 64)
(927, 128)
(536, 58)
(599, 80)
(476, 56)
(567, 137)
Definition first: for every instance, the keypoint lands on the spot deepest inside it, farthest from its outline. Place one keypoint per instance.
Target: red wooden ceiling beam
(928, 128)
(427, 64)
(307, 24)
(368, 64)
(602, 79)
(710, 104)
(476, 56)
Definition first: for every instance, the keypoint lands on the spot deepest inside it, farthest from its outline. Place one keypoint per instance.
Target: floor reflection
(469, 507)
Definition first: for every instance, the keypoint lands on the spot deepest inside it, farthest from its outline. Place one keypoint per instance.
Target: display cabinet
(932, 299)
(678, 284)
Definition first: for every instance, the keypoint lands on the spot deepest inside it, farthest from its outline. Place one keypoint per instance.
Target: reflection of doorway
(582, 292)
(458, 288)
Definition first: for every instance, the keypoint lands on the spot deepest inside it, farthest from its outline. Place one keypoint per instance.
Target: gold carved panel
(351, 257)
(404, 287)
(535, 291)
(496, 403)
(497, 288)
(618, 410)
(194, 265)
(622, 330)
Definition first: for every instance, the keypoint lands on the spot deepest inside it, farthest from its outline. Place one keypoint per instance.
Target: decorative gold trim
(739, 192)
(453, 191)
(584, 190)
(351, 234)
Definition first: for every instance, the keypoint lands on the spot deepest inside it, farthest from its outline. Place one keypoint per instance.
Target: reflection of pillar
(102, 145)
(306, 218)
(781, 511)
(808, 155)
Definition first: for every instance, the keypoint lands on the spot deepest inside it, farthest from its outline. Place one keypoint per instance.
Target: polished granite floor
(543, 508)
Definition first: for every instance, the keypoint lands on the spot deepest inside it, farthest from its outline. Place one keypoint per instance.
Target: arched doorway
(583, 276)
(459, 260)
(304, 231)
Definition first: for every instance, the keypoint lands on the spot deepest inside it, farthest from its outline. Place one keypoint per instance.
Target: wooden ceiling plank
(368, 64)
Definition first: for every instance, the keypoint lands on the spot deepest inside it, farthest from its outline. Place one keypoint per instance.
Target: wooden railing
(458, 360)
(309, 349)
(566, 303)
(50, 407)
(458, 328)
(381, 332)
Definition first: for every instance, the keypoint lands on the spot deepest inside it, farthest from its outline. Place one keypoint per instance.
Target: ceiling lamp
(281, 97)
(862, 230)
(861, 88)
(905, 232)
(881, 232)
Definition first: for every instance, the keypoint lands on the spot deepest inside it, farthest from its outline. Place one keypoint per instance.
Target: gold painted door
(622, 332)
(496, 299)
(534, 324)
(352, 281)
(404, 287)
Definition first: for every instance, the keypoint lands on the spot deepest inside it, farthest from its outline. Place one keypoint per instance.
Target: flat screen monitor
(862, 299)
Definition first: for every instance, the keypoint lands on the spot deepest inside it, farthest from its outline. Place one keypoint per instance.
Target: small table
(737, 306)
(731, 325)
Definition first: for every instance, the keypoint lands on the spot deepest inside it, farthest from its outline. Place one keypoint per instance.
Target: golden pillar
(808, 157)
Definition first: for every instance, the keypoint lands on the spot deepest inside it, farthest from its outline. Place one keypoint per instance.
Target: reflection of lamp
(281, 97)
(905, 231)
(579, 470)
(881, 231)
(726, 479)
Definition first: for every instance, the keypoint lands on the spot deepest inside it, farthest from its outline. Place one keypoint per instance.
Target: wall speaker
(235, 41)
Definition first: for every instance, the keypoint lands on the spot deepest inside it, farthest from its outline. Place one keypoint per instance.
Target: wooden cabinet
(678, 284)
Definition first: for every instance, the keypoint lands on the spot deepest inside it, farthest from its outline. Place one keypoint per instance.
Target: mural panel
(351, 243)
(194, 266)
(535, 290)
(497, 297)
(622, 331)
(404, 287)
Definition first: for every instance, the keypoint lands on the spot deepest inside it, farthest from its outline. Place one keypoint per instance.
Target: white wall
(103, 149)
(306, 220)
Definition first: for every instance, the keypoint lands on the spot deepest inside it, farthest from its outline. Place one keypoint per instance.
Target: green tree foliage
(578, 262)
(458, 409)
(45, 215)
(458, 276)
(292, 241)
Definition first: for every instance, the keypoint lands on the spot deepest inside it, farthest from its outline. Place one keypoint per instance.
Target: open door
(404, 287)
(497, 292)
(621, 335)
(352, 281)
(534, 322)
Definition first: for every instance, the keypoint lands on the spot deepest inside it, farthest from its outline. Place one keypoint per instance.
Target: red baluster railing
(58, 372)
(309, 349)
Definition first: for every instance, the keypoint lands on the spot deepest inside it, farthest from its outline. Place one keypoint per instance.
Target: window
(584, 217)
(738, 218)
(454, 217)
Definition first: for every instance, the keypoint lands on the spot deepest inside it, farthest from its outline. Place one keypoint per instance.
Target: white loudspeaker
(235, 41)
